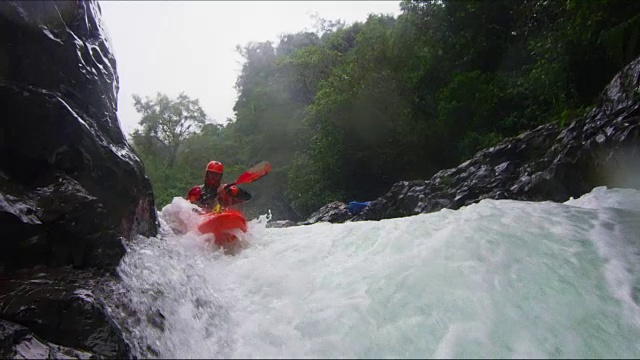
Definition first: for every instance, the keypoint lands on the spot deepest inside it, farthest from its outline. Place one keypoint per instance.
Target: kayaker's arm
(194, 194)
(231, 195)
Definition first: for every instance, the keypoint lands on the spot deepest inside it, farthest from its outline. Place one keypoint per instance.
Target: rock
(60, 306)
(334, 212)
(72, 192)
(69, 180)
(18, 342)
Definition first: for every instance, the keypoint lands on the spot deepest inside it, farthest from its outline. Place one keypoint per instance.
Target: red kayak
(223, 225)
(226, 224)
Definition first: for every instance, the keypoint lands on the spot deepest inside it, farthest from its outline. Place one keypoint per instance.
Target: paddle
(254, 173)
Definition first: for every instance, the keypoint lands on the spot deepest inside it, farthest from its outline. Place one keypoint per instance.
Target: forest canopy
(345, 112)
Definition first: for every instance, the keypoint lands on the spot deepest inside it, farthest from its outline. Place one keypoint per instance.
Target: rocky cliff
(72, 192)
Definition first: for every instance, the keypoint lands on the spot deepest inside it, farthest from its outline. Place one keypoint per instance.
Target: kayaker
(212, 196)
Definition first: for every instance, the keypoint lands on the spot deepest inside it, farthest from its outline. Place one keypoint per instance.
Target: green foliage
(167, 127)
(344, 112)
(166, 123)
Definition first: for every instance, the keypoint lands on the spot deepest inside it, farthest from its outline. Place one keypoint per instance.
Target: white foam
(495, 279)
(180, 215)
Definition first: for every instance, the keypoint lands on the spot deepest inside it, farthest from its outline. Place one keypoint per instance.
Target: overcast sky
(190, 46)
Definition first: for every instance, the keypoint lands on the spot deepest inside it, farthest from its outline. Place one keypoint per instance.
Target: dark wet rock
(334, 212)
(61, 306)
(18, 342)
(72, 192)
(61, 219)
(71, 189)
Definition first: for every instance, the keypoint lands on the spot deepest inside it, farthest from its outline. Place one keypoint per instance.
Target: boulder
(18, 342)
(71, 188)
(72, 191)
(334, 212)
(61, 307)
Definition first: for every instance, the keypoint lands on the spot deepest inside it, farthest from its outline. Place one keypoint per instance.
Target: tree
(166, 123)
(346, 111)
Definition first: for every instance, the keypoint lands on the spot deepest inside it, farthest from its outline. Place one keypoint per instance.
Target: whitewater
(496, 279)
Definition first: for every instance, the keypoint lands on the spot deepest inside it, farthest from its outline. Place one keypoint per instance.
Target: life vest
(203, 196)
(209, 198)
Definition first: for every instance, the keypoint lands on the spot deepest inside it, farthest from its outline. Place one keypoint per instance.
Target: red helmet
(215, 166)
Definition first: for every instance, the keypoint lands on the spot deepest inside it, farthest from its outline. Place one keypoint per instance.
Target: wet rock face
(18, 342)
(61, 306)
(71, 190)
(334, 212)
(547, 163)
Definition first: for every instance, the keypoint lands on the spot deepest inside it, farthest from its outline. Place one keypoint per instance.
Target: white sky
(174, 46)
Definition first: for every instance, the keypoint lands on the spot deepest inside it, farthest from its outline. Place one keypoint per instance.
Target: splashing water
(499, 278)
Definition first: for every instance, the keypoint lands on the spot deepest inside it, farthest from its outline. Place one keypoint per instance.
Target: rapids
(497, 279)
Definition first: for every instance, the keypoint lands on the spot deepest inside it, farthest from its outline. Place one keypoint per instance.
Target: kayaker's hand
(231, 190)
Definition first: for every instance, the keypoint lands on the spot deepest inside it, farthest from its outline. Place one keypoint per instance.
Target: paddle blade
(254, 173)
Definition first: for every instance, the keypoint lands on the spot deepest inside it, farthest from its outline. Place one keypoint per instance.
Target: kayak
(224, 226)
